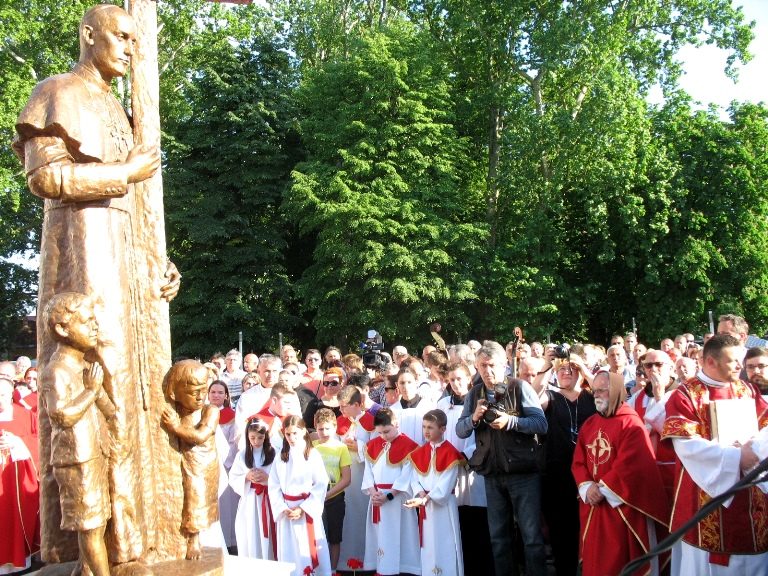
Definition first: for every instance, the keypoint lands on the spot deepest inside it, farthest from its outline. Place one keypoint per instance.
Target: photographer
(505, 422)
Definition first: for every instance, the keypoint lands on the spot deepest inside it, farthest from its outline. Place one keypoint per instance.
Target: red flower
(355, 563)
(308, 570)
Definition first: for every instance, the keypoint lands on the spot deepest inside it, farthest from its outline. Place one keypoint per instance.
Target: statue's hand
(93, 377)
(171, 288)
(142, 162)
(169, 418)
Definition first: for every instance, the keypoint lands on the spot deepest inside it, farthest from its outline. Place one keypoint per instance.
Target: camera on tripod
(371, 350)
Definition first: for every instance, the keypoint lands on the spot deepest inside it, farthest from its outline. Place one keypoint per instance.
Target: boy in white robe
(392, 539)
(435, 467)
(356, 429)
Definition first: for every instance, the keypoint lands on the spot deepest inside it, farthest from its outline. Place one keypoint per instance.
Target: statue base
(214, 562)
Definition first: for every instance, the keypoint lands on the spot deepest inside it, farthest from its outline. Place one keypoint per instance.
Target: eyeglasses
(331, 382)
(753, 367)
(390, 388)
(313, 359)
(653, 364)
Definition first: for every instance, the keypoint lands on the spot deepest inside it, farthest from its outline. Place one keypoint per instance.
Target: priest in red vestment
(19, 492)
(734, 538)
(621, 490)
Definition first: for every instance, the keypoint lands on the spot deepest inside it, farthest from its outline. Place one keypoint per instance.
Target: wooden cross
(148, 217)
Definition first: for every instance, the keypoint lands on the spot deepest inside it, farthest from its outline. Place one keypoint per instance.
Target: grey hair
(491, 349)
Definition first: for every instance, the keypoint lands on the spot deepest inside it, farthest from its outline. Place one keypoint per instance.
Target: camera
(563, 351)
(497, 407)
(371, 350)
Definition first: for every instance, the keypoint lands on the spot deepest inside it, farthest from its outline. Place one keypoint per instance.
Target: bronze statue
(194, 423)
(76, 144)
(77, 408)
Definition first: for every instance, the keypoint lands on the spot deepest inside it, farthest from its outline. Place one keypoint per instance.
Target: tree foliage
(229, 157)
(336, 165)
(382, 190)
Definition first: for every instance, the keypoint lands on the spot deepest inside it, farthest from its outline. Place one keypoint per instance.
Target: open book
(733, 420)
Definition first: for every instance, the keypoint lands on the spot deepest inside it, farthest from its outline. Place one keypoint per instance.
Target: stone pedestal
(213, 563)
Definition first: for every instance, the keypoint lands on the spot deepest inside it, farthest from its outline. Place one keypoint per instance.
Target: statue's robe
(71, 134)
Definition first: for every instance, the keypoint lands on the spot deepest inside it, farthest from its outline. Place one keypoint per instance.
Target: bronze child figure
(194, 424)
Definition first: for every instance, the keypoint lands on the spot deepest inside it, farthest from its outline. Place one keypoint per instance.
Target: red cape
(226, 415)
(616, 452)
(266, 415)
(398, 451)
(447, 457)
(366, 422)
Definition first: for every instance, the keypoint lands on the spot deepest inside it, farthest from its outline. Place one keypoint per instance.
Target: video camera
(371, 350)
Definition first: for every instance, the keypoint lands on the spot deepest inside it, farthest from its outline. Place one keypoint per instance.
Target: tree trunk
(163, 488)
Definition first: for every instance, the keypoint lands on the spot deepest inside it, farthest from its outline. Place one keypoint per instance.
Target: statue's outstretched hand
(171, 288)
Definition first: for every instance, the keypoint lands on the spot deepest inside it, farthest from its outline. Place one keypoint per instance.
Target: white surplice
(249, 529)
(294, 478)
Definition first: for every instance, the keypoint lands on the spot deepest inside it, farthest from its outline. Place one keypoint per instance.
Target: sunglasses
(390, 388)
(313, 359)
(653, 364)
(331, 382)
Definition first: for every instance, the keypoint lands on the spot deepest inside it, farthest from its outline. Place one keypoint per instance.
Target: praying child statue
(80, 410)
(193, 423)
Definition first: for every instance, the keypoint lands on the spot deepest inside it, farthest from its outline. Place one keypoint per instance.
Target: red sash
(421, 512)
(377, 509)
(310, 528)
(267, 522)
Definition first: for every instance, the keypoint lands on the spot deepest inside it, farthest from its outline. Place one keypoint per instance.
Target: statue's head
(71, 318)
(186, 383)
(107, 40)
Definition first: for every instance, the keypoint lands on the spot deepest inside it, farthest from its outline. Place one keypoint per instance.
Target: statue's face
(191, 394)
(111, 44)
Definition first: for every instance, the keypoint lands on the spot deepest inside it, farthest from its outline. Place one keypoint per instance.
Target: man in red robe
(619, 483)
(734, 538)
(19, 491)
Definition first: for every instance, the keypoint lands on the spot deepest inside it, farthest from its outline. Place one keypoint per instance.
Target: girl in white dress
(254, 526)
(297, 486)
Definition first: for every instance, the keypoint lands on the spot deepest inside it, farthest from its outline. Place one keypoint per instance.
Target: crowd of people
(475, 459)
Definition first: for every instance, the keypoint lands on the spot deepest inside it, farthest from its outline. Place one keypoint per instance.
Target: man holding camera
(505, 418)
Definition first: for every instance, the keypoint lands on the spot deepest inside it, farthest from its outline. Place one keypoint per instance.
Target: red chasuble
(617, 453)
(399, 449)
(447, 457)
(19, 494)
(742, 527)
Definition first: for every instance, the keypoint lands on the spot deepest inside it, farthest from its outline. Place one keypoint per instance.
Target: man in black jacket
(506, 417)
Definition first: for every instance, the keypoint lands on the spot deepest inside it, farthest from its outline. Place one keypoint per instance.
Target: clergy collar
(711, 381)
(412, 403)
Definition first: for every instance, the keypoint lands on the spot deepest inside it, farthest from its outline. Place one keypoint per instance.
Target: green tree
(551, 95)
(713, 215)
(387, 190)
(228, 161)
